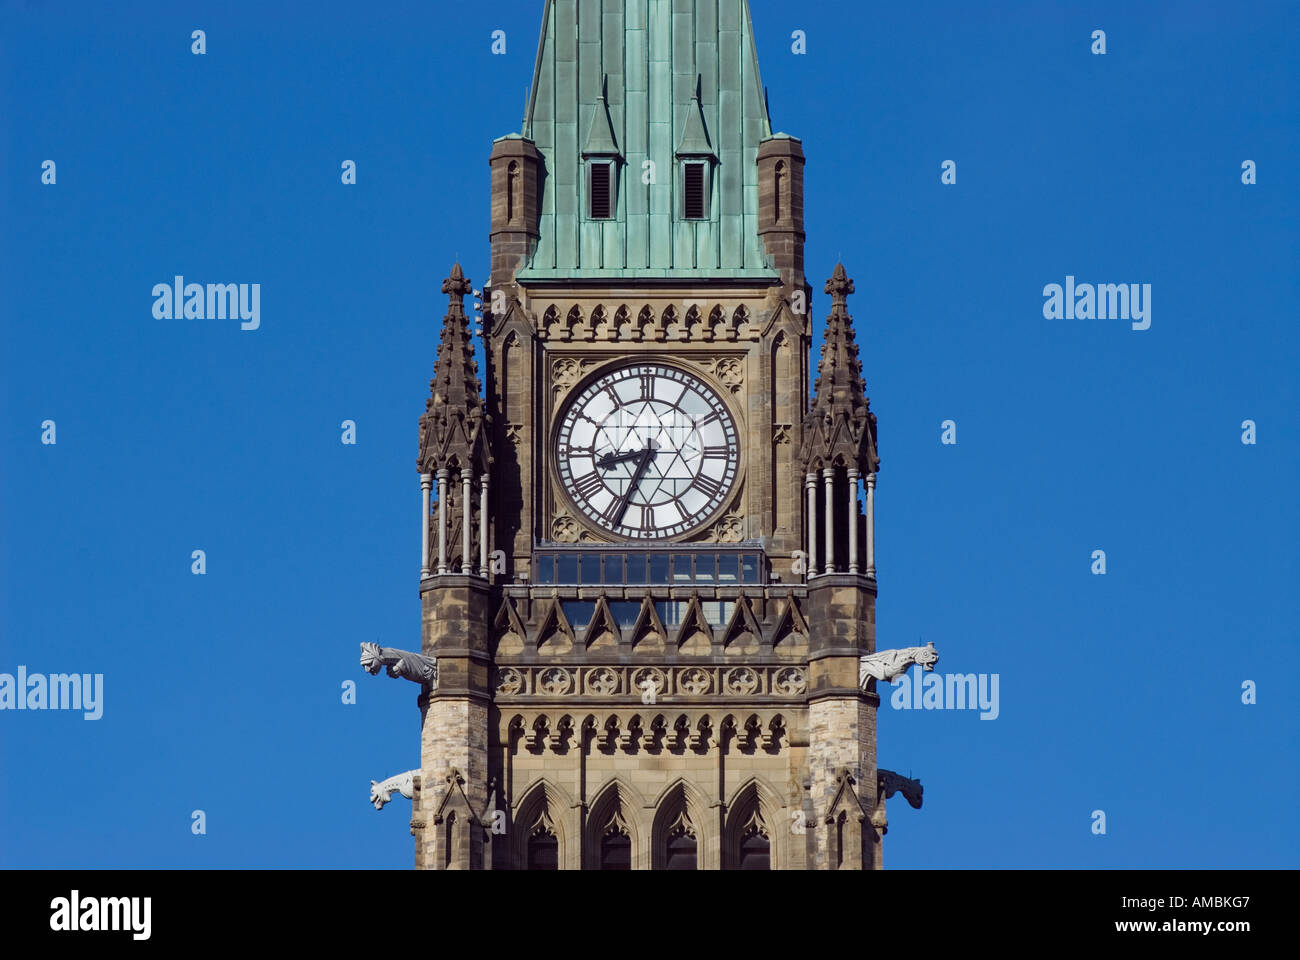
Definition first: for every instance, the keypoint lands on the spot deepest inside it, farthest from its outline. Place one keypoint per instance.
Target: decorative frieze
(632, 730)
(650, 685)
(689, 321)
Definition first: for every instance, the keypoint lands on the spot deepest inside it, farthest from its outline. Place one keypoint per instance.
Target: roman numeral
(722, 453)
(710, 486)
(588, 485)
(647, 386)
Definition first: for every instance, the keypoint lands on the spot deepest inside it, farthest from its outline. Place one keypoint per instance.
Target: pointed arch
(554, 635)
(508, 631)
(682, 810)
(695, 635)
(790, 635)
(603, 632)
(543, 808)
(742, 635)
(622, 323)
(756, 810)
(648, 633)
(551, 326)
(616, 807)
(645, 323)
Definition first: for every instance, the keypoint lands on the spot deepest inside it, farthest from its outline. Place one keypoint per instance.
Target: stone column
(810, 484)
(871, 525)
(426, 481)
(853, 519)
(483, 525)
(828, 475)
(467, 516)
(442, 520)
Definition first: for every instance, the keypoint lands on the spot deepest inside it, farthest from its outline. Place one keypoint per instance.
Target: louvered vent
(600, 191)
(693, 195)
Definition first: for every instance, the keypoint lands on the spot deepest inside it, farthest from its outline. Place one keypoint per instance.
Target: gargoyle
(415, 667)
(889, 783)
(889, 664)
(382, 793)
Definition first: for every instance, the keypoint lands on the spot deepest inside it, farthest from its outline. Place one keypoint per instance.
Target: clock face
(647, 451)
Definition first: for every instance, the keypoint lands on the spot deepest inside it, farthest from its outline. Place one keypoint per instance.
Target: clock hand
(646, 456)
(612, 458)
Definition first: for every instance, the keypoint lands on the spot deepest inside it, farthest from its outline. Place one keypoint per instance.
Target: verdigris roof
(647, 80)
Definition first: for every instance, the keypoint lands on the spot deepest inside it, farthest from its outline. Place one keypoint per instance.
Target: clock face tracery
(647, 451)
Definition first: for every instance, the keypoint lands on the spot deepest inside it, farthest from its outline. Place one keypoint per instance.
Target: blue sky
(222, 692)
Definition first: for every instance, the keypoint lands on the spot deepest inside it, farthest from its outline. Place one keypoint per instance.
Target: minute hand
(620, 507)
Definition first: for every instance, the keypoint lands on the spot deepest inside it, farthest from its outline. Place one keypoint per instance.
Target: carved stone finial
(457, 285)
(889, 664)
(839, 286)
(451, 429)
(840, 427)
(415, 667)
(382, 792)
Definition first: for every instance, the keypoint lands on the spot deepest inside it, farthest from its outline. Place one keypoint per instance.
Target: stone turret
(451, 790)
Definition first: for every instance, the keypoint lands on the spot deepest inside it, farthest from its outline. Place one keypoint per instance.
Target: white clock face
(647, 451)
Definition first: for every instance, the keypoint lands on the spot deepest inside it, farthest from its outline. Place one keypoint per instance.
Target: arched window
(616, 851)
(755, 847)
(755, 852)
(780, 184)
(681, 852)
(512, 185)
(841, 828)
(449, 840)
(543, 850)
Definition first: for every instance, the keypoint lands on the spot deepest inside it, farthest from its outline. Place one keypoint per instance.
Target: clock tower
(647, 562)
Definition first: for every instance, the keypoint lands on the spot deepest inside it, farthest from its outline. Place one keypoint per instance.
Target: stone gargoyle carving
(888, 664)
(889, 783)
(415, 667)
(382, 793)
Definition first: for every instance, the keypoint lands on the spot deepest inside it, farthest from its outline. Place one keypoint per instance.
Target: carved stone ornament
(790, 681)
(510, 682)
(382, 793)
(887, 665)
(602, 680)
(741, 681)
(649, 679)
(564, 529)
(730, 529)
(415, 667)
(730, 371)
(555, 681)
(565, 372)
(694, 681)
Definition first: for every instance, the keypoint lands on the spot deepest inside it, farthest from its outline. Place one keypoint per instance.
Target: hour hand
(609, 459)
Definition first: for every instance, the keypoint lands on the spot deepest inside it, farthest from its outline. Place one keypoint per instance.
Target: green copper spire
(652, 85)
